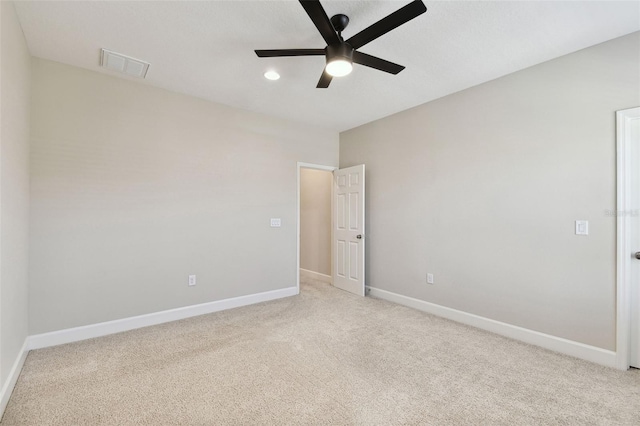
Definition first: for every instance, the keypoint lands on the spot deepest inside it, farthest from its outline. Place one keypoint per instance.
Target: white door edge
(302, 165)
(623, 224)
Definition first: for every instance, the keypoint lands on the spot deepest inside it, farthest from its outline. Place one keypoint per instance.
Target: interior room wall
(315, 220)
(14, 188)
(482, 188)
(134, 188)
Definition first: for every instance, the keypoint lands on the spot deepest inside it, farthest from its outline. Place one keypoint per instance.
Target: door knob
(359, 236)
(637, 255)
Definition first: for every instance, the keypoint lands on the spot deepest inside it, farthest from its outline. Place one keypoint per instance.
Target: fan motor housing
(342, 50)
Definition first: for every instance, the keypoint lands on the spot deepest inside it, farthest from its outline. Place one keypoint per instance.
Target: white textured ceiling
(205, 48)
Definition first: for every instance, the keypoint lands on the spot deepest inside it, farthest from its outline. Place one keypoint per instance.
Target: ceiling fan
(341, 54)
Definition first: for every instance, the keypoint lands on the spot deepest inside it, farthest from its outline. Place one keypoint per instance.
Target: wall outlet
(192, 280)
(276, 222)
(429, 278)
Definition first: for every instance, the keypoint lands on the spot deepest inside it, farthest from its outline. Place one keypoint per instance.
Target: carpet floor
(323, 357)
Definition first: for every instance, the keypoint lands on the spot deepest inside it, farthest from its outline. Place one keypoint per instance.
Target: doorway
(315, 194)
(628, 250)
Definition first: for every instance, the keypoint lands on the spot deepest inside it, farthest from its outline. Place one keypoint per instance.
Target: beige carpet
(324, 357)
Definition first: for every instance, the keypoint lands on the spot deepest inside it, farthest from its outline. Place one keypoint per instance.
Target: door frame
(624, 186)
(301, 165)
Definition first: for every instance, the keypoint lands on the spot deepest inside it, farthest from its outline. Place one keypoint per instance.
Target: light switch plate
(276, 222)
(582, 227)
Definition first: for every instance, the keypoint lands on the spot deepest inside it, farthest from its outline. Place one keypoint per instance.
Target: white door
(632, 135)
(348, 229)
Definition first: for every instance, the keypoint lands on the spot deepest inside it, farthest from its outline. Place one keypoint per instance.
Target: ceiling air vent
(117, 62)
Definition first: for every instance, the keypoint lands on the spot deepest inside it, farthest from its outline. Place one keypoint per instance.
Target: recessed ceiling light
(271, 75)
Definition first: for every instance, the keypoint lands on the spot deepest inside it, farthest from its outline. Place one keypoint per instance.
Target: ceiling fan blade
(324, 81)
(270, 53)
(383, 26)
(320, 19)
(377, 63)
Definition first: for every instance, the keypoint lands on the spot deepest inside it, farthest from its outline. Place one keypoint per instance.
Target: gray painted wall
(482, 188)
(315, 220)
(133, 188)
(14, 188)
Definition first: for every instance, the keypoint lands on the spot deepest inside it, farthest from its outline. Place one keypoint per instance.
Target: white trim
(623, 250)
(12, 378)
(301, 165)
(557, 344)
(315, 276)
(110, 327)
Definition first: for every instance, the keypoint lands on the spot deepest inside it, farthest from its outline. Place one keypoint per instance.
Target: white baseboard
(316, 276)
(110, 327)
(547, 341)
(12, 378)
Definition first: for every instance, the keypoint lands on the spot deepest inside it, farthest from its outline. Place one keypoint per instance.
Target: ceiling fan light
(339, 67)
